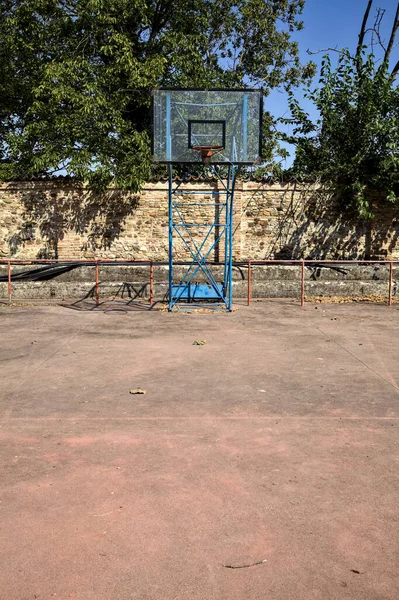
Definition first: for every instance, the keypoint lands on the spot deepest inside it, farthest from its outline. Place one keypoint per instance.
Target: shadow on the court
(125, 299)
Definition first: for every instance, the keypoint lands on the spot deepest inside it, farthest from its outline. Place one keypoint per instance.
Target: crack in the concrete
(260, 562)
(38, 366)
(359, 360)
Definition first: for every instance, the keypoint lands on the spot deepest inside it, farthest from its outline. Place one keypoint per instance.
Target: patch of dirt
(373, 298)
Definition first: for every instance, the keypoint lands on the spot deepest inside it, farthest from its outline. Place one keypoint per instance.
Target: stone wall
(59, 219)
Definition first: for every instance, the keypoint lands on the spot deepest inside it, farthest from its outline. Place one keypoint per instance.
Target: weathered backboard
(185, 120)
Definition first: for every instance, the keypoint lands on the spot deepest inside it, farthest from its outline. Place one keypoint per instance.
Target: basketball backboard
(217, 126)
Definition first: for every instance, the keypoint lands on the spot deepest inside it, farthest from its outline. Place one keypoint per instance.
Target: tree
(353, 147)
(76, 75)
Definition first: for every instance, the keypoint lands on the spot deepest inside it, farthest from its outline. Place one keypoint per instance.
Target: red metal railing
(303, 263)
(151, 283)
(97, 284)
(390, 283)
(250, 264)
(9, 280)
(89, 262)
(249, 275)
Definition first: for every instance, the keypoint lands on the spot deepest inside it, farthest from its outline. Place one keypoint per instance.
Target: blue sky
(331, 23)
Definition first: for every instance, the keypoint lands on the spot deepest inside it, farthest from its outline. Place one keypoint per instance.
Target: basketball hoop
(219, 129)
(207, 152)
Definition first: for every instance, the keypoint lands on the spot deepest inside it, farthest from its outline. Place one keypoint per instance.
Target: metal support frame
(198, 241)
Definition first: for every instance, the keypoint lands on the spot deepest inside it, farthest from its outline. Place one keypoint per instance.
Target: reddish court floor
(275, 444)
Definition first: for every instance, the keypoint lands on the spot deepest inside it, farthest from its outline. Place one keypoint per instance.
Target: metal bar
(116, 261)
(112, 261)
(233, 156)
(196, 193)
(151, 283)
(390, 284)
(244, 127)
(183, 224)
(230, 233)
(9, 281)
(218, 207)
(178, 184)
(206, 105)
(226, 241)
(201, 265)
(323, 262)
(249, 283)
(198, 250)
(168, 125)
(198, 259)
(170, 209)
(97, 285)
(210, 226)
(184, 204)
(72, 261)
(303, 283)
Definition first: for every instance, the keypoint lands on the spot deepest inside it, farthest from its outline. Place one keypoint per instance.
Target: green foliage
(76, 75)
(353, 147)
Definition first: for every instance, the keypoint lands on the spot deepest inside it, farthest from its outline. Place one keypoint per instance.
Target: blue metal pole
(170, 200)
(244, 127)
(226, 237)
(168, 128)
(230, 233)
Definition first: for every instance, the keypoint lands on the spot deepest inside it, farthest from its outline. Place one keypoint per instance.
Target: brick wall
(61, 219)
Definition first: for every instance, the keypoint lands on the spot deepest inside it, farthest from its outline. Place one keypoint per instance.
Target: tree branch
(363, 32)
(308, 51)
(395, 70)
(363, 27)
(376, 29)
(161, 15)
(395, 27)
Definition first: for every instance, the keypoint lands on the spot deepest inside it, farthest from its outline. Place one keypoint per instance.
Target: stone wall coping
(241, 184)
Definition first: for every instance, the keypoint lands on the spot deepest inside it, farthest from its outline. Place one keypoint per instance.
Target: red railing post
(151, 283)
(97, 285)
(9, 281)
(249, 283)
(390, 284)
(303, 283)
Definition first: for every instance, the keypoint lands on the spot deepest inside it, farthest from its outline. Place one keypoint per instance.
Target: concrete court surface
(274, 443)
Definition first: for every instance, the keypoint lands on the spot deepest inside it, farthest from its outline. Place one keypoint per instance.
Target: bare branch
(395, 27)
(341, 51)
(378, 18)
(363, 32)
(376, 29)
(323, 50)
